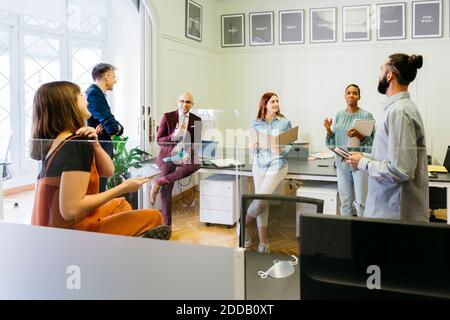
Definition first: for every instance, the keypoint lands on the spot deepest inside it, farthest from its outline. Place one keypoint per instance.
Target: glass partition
(272, 241)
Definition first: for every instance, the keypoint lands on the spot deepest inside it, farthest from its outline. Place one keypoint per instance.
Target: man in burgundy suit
(179, 136)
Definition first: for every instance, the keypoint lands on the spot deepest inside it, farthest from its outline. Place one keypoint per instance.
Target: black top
(75, 155)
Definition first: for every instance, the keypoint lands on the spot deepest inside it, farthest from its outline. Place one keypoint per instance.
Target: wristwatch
(119, 130)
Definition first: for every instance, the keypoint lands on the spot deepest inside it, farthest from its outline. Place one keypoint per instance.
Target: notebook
(266, 141)
(365, 127)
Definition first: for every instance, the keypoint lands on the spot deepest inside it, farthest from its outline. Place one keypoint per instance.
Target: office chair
(246, 199)
(6, 174)
(287, 242)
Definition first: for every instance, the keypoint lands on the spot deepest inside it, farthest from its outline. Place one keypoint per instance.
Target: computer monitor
(208, 149)
(299, 151)
(342, 257)
(447, 159)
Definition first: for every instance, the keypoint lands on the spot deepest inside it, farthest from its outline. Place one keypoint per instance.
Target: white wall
(185, 64)
(310, 78)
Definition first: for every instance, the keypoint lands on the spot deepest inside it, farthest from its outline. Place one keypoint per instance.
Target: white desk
(443, 184)
(321, 170)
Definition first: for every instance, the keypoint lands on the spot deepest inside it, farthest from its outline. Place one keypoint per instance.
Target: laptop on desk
(207, 152)
(447, 159)
(226, 163)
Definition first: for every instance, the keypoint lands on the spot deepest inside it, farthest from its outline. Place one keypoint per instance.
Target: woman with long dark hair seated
(67, 191)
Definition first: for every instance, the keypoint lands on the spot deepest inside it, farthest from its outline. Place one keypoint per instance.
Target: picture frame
(291, 26)
(356, 23)
(261, 28)
(233, 30)
(391, 21)
(322, 25)
(194, 17)
(427, 19)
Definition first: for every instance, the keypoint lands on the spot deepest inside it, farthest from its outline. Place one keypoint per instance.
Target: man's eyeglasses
(113, 76)
(185, 101)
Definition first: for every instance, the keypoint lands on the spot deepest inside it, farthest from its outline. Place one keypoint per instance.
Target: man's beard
(383, 85)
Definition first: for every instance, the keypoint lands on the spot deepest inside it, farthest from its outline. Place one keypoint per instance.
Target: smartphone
(341, 152)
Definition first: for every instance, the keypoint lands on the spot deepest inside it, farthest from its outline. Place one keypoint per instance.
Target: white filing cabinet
(218, 200)
(325, 191)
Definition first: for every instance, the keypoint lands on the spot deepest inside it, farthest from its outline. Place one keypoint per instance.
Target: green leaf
(124, 159)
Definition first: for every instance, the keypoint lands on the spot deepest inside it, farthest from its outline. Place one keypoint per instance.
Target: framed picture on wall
(261, 28)
(291, 29)
(322, 25)
(233, 30)
(356, 23)
(427, 19)
(391, 21)
(193, 20)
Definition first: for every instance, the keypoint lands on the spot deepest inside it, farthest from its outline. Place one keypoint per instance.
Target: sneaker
(154, 191)
(248, 240)
(162, 232)
(264, 248)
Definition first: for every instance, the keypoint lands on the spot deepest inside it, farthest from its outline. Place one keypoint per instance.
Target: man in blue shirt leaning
(104, 76)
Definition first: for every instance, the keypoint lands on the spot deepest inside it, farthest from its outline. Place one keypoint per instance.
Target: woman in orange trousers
(72, 159)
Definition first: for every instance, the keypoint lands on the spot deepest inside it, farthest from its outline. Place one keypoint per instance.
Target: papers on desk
(440, 169)
(322, 155)
(225, 163)
(365, 127)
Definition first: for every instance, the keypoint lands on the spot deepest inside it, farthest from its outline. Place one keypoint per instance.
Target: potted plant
(123, 160)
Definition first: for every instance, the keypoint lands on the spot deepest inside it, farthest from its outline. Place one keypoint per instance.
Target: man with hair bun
(397, 167)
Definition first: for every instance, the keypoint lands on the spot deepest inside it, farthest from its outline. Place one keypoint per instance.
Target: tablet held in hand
(341, 152)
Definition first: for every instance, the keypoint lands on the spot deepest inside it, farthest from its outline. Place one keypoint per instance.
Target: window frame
(18, 30)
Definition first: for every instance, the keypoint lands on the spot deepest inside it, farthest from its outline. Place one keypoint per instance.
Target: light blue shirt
(264, 158)
(398, 171)
(339, 138)
(182, 117)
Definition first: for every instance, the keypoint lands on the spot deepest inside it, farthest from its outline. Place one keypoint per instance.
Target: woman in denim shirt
(269, 166)
(352, 184)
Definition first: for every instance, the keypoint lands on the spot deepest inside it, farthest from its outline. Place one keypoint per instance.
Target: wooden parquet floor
(186, 227)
